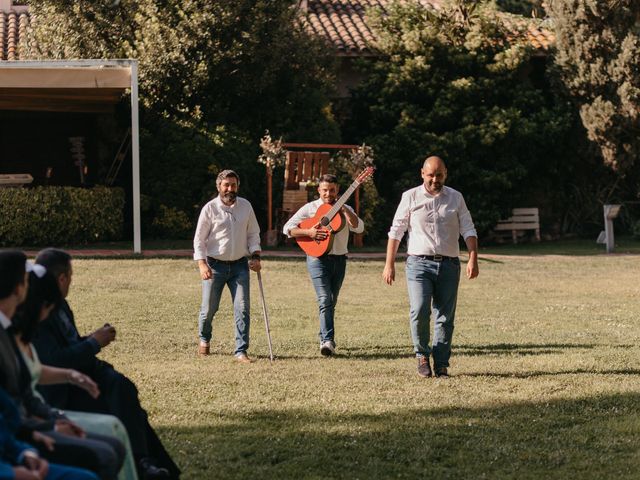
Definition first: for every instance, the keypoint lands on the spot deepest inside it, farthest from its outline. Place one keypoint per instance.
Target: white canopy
(76, 86)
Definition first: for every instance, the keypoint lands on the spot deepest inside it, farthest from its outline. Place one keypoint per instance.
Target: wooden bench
(15, 179)
(521, 219)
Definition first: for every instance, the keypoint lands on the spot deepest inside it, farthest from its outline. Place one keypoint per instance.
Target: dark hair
(328, 178)
(56, 261)
(12, 269)
(43, 292)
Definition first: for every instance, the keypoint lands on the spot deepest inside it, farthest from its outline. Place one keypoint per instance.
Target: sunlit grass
(545, 363)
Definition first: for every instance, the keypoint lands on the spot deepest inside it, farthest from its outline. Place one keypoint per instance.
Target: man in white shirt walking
(226, 234)
(434, 216)
(327, 271)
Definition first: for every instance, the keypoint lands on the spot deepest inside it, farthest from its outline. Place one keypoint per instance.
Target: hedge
(60, 215)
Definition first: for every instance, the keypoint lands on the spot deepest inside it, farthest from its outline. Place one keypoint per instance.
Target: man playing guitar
(327, 270)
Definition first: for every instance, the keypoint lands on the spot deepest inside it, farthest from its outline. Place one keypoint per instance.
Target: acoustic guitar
(329, 217)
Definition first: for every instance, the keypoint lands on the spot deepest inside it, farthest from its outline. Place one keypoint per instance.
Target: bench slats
(521, 219)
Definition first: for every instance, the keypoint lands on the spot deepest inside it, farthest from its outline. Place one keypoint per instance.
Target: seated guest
(42, 297)
(20, 461)
(60, 344)
(71, 444)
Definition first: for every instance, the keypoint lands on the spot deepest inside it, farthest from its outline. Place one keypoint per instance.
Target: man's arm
(472, 264)
(389, 272)
(356, 225)
(200, 244)
(253, 242)
(54, 351)
(468, 232)
(292, 230)
(398, 228)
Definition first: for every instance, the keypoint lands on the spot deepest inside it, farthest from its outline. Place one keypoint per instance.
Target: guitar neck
(341, 201)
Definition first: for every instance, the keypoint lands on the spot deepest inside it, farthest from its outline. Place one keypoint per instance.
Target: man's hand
(254, 264)
(205, 271)
(318, 232)
(104, 335)
(389, 274)
(23, 473)
(37, 466)
(472, 268)
(84, 382)
(67, 427)
(48, 442)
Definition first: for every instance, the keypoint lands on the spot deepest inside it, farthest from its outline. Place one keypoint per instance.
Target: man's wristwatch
(255, 256)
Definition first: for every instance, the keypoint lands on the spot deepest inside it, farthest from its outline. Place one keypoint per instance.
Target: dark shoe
(442, 372)
(424, 369)
(149, 471)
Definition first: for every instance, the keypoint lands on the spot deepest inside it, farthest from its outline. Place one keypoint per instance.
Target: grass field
(546, 372)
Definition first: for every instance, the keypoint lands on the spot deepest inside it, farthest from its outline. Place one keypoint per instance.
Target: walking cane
(266, 316)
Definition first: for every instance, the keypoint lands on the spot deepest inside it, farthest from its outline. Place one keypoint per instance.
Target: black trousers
(101, 454)
(119, 397)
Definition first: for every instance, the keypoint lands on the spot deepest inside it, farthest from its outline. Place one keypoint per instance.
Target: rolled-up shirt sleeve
(302, 214)
(360, 227)
(200, 238)
(253, 233)
(467, 228)
(400, 223)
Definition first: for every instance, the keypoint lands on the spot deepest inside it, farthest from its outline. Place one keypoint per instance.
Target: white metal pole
(135, 158)
(608, 228)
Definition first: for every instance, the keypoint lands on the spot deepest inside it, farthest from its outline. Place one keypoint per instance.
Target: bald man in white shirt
(227, 233)
(434, 216)
(327, 272)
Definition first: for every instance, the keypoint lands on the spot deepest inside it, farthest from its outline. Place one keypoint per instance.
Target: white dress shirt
(340, 239)
(433, 223)
(5, 322)
(226, 232)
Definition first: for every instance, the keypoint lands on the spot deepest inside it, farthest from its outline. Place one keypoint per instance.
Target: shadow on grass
(518, 349)
(592, 438)
(578, 371)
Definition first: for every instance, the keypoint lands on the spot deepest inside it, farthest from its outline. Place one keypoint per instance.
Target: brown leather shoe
(442, 372)
(203, 348)
(424, 369)
(242, 358)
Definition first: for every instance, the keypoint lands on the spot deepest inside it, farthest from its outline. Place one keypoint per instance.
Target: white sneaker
(327, 348)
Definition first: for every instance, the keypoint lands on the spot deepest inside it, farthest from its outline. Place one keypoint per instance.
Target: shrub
(635, 230)
(169, 222)
(60, 215)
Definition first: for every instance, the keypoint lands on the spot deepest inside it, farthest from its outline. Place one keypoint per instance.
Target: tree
(597, 47)
(245, 62)
(213, 76)
(527, 8)
(455, 82)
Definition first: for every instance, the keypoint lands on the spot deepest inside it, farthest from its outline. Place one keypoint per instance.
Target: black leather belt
(225, 262)
(436, 258)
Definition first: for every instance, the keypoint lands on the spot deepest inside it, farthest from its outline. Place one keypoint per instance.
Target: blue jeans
(65, 472)
(236, 277)
(327, 273)
(434, 284)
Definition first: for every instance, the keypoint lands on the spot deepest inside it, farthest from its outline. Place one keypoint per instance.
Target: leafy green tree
(597, 44)
(528, 8)
(456, 82)
(212, 77)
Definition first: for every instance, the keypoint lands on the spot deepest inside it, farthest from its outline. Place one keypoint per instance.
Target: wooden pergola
(77, 86)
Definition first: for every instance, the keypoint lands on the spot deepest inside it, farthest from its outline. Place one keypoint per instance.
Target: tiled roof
(13, 34)
(343, 23)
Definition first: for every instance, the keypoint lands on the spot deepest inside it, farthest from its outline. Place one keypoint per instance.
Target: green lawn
(546, 372)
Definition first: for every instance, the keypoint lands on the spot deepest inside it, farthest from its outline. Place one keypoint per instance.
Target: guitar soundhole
(324, 222)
